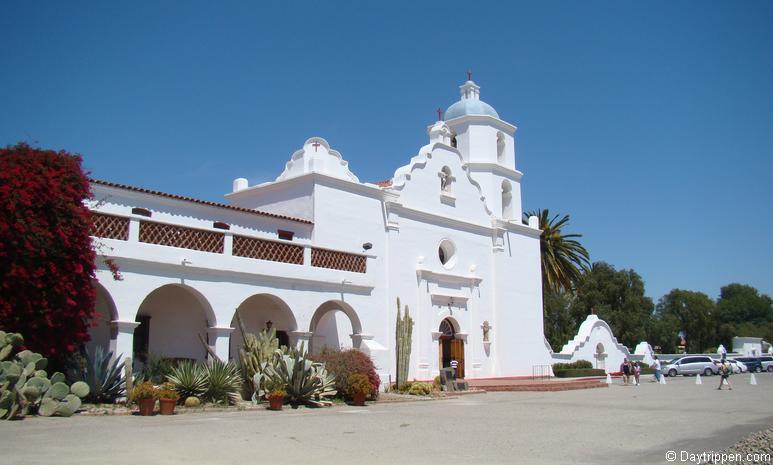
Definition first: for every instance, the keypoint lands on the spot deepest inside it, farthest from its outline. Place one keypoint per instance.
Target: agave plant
(223, 382)
(189, 379)
(102, 373)
(306, 381)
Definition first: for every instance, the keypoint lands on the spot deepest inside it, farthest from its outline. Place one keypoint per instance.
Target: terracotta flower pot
(146, 406)
(358, 399)
(275, 403)
(166, 406)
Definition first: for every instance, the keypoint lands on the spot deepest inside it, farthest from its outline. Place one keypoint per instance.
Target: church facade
(323, 258)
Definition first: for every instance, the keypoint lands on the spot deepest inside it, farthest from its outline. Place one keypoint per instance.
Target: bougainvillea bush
(46, 258)
(344, 363)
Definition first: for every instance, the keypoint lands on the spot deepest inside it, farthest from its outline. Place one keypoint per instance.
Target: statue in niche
(486, 327)
(444, 181)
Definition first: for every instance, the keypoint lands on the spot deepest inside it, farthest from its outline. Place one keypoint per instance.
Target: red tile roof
(202, 202)
(384, 183)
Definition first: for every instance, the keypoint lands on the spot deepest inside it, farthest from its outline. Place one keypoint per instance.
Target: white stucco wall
(493, 277)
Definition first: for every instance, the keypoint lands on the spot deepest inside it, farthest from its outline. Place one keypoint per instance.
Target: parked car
(754, 364)
(738, 367)
(691, 365)
(767, 363)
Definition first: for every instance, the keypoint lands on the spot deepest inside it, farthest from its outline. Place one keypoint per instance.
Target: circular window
(447, 253)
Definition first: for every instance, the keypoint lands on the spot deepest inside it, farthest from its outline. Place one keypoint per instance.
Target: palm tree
(564, 259)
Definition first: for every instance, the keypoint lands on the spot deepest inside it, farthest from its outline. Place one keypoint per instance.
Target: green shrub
(420, 389)
(572, 366)
(156, 369)
(405, 387)
(578, 372)
(358, 383)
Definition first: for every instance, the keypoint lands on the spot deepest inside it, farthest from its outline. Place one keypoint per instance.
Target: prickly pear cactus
(25, 387)
(404, 332)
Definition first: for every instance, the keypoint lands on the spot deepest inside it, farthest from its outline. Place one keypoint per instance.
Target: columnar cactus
(25, 387)
(404, 331)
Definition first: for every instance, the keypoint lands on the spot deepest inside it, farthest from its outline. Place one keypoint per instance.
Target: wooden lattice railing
(109, 226)
(179, 236)
(267, 250)
(117, 227)
(323, 258)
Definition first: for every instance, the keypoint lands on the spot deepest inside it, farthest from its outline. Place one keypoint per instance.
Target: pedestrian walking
(636, 372)
(656, 366)
(725, 370)
(626, 369)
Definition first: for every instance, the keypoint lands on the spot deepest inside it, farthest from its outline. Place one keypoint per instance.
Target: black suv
(754, 364)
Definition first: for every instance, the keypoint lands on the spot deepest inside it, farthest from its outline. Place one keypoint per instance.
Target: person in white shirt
(656, 366)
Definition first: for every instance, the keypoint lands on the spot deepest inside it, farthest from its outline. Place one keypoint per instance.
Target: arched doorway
(171, 319)
(259, 312)
(451, 347)
(333, 326)
(101, 332)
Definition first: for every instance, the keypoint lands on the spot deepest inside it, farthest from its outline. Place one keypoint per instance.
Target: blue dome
(470, 103)
(469, 107)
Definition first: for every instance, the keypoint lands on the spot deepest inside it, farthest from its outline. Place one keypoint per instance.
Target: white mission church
(323, 257)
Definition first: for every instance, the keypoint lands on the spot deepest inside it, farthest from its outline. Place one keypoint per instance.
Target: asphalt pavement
(616, 425)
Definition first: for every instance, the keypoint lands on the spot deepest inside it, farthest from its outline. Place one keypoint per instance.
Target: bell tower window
(500, 147)
(507, 201)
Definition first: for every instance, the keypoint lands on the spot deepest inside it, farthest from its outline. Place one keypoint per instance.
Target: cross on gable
(439, 114)
(316, 145)
(469, 75)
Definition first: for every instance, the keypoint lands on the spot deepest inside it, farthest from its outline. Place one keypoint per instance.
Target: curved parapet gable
(422, 158)
(316, 156)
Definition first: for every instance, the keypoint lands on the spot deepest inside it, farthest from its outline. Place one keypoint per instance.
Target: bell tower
(487, 145)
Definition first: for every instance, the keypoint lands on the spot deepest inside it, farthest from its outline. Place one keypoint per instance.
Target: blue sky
(650, 123)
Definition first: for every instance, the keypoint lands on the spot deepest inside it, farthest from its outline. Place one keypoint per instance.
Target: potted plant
(276, 399)
(167, 398)
(358, 387)
(145, 396)
(276, 395)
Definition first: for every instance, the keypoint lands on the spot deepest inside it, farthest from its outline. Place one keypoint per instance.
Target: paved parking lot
(617, 425)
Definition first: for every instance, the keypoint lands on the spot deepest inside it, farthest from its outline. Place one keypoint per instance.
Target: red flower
(47, 264)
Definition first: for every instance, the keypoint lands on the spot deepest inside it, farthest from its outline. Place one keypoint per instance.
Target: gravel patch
(755, 449)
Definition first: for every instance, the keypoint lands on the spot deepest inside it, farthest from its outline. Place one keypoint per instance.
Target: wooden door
(457, 353)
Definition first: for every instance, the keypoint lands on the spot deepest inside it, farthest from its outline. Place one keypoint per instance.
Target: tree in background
(560, 324)
(617, 297)
(692, 314)
(563, 260)
(743, 311)
(46, 258)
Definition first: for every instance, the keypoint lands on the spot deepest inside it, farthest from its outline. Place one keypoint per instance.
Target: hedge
(572, 366)
(578, 372)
